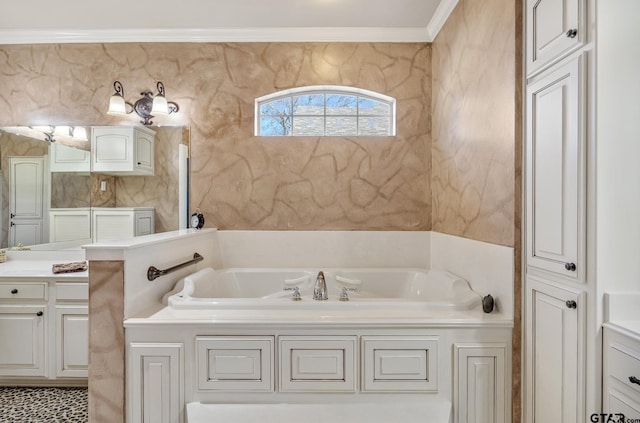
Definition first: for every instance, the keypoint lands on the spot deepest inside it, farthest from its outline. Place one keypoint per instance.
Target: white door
(26, 200)
(72, 341)
(555, 184)
(554, 354)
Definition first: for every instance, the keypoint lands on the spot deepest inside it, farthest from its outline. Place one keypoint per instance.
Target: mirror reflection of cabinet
(122, 150)
(63, 158)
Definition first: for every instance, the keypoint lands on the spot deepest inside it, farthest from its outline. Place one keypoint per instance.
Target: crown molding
(215, 35)
(439, 18)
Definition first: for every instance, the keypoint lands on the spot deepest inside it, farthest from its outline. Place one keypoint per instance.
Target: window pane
(270, 126)
(341, 126)
(368, 106)
(308, 105)
(378, 126)
(276, 107)
(308, 125)
(341, 104)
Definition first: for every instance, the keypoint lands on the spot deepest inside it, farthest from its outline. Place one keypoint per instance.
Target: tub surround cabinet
(222, 362)
(44, 326)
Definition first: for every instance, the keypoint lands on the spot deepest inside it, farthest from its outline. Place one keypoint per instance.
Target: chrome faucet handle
(296, 293)
(344, 294)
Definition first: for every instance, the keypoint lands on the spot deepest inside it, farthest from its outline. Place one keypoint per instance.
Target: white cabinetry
(43, 332)
(23, 329)
(621, 374)
(554, 328)
(121, 222)
(122, 150)
(72, 329)
(70, 224)
(63, 158)
(155, 372)
(558, 149)
(554, 28)
(480, 383)
(555, 160)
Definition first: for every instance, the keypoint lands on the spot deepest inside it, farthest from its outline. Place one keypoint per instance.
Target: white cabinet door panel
(555, 186)
(23, 346)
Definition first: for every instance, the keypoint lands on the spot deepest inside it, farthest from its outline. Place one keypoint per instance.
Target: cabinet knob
(14, 291)
(571, 304)
(634, 379)
(572, 33)
(571, 267)
(39, 313)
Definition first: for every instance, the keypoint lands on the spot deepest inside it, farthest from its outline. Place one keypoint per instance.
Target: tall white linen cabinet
(581, 180)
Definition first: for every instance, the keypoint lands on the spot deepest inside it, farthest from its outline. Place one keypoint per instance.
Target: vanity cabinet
(621, 373)
(555, 28)
(72, 329)
(122, 150)
(63, 158)
(44, 331)
(555, 176)
(70, 224)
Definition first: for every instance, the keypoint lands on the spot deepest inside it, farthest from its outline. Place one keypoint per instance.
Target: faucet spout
(320, 288)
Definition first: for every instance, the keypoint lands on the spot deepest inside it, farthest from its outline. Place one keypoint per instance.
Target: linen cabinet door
(555, 166)
(554, 29)
(554, 354)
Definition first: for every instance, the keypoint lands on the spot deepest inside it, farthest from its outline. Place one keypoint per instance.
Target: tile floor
(43, 405)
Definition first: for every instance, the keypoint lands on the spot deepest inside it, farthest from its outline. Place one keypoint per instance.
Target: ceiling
(59, 21)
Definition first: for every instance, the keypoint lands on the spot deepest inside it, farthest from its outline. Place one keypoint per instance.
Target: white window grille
(325, 111)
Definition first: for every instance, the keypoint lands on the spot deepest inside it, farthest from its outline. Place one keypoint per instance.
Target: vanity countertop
(621, 312)
(35, 264)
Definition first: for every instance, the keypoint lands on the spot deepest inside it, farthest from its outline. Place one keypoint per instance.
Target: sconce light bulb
(160, 106)
(117, 106)
(62, 131)
(80, 133)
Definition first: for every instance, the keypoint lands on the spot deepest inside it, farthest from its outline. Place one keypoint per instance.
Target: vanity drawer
(23, 290)
(624, 365)
(235, 363)
(72, 291)
(317, 364)
(400, 363)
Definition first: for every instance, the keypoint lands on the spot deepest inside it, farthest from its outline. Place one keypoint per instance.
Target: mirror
(57, 193)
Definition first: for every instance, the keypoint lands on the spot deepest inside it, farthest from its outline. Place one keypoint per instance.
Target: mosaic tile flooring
(43, 405)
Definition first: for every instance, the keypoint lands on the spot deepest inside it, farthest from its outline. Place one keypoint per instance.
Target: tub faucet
(320, 288)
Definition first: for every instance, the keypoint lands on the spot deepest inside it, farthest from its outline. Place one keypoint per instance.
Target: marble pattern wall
(160, 190)
(473, 134)
(240, 181)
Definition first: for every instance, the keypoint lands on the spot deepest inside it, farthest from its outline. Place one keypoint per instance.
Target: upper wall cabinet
(555, 163)
(63, 158)
(554, 29)
(122, 150)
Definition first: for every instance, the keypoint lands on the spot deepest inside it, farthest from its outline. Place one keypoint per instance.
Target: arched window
(325, 111)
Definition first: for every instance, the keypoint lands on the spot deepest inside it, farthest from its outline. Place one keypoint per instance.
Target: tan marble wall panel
(240, 181)
(473, 134)
(106, 198)
(106, 342)
(70, 189)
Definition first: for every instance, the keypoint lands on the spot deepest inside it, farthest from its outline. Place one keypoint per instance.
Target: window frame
(327, 90)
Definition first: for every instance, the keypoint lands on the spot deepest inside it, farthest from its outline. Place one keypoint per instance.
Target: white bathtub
(263, 289)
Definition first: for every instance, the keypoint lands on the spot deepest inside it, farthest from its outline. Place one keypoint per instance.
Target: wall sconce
(147, 106)
(50, 132)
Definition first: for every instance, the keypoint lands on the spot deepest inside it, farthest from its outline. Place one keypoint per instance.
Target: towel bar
(154, 273)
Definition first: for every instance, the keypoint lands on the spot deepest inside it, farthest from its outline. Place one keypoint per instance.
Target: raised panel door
(555, 184)
(554, 354)
(23, 346)
(554, 28)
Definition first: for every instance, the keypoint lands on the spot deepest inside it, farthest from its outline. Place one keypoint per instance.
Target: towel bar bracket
(154, 273)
